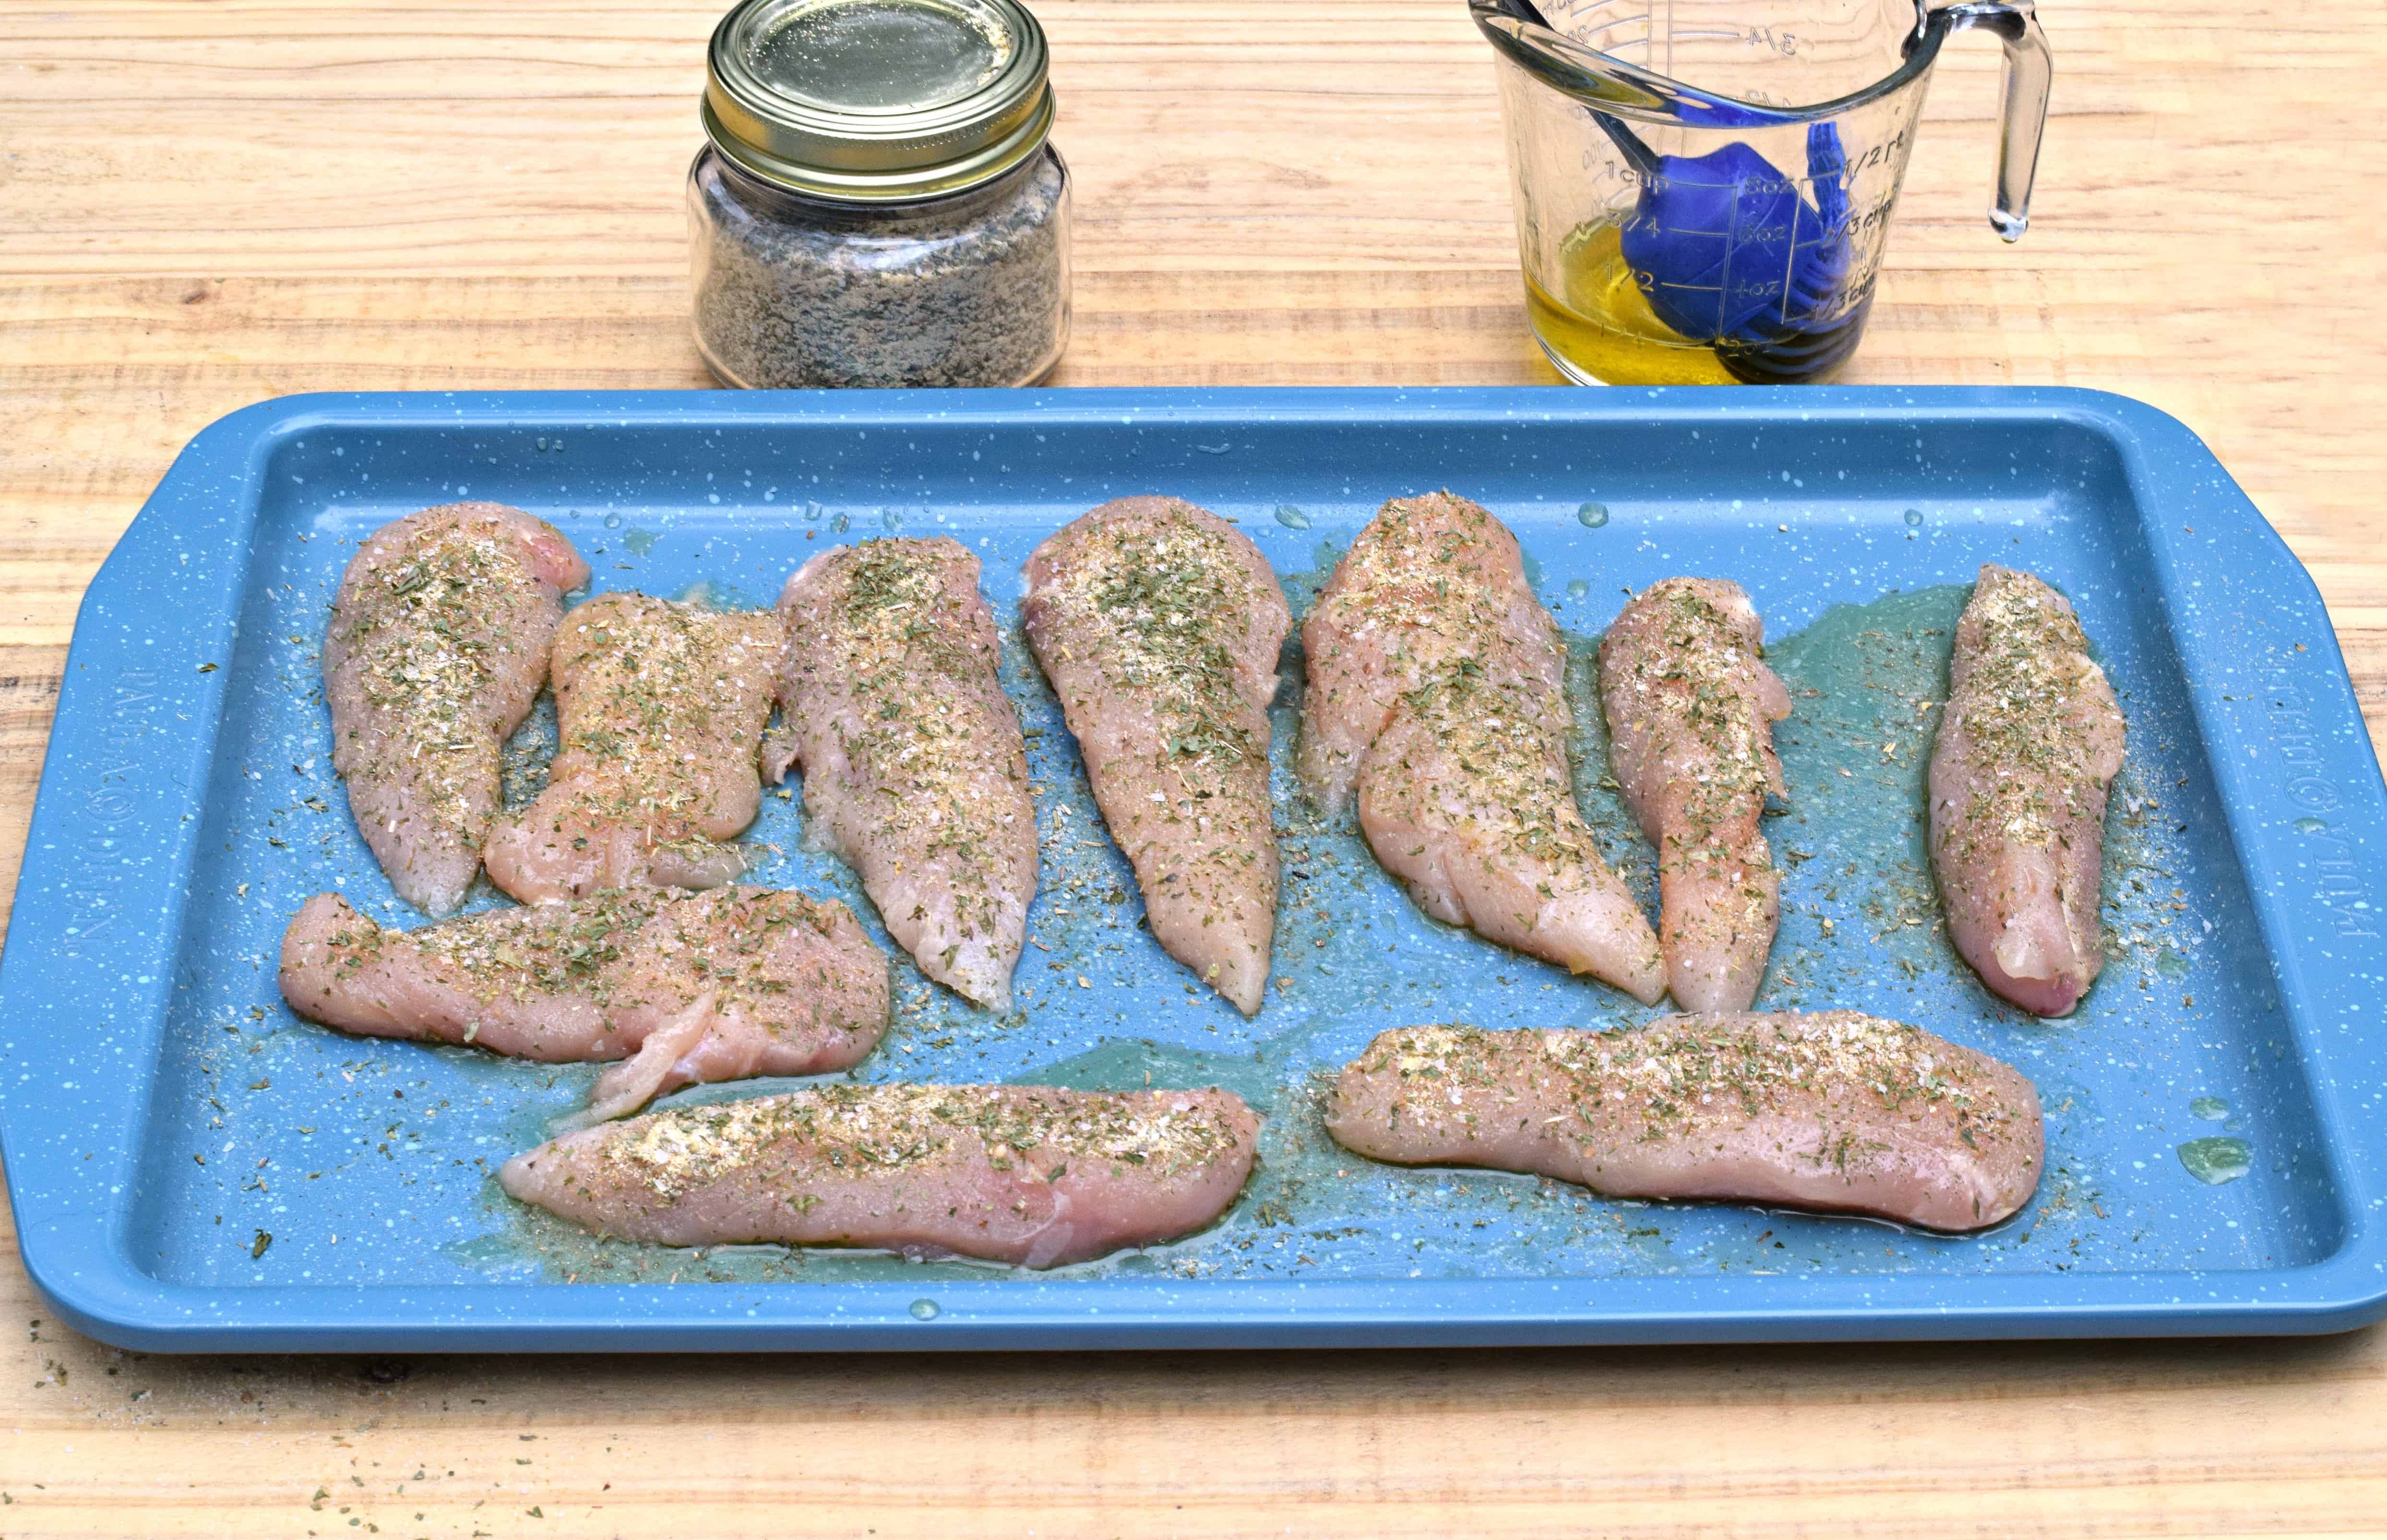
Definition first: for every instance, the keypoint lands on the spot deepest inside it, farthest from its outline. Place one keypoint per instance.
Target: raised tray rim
(70, 1216)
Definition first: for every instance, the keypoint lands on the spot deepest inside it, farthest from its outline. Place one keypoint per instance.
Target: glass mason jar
(879, 204)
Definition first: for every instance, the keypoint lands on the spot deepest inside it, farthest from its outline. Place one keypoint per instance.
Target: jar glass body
(793, 292)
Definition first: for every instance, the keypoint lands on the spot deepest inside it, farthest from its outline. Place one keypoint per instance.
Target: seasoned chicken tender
(1031, 1175)
(914, 772)
(1833, 1111)
(1159, 623)
(1691, 707)
(2031, 740)
(1436, 690)
(437, 645)
(660, 710)
(685, 988)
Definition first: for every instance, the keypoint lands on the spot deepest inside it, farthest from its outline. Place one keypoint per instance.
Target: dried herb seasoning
(879, 204)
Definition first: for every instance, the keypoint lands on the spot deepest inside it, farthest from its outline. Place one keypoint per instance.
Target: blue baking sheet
(192, 1168)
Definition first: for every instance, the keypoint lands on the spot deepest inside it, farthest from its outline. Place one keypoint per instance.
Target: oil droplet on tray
(613, 521)
(1291, 517)
(2311, 825)
(1578, 588)
(2212, 1109)
(924, 1310)
(1591, 515)
(2214, 1161)
(1913, 518)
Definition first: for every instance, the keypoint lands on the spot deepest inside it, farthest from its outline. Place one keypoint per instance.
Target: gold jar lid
(878, 101)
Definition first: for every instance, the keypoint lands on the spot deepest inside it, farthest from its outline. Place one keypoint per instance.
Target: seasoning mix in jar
(880, 203)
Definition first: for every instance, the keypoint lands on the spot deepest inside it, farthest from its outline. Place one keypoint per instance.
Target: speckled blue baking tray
(192, 1169)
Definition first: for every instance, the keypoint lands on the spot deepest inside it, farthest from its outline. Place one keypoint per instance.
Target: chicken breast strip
(1436, 692)
(1159, 623)
(437, 645)
(914, 772)
(684, 987)
(2028, 748)
(1833, 1111)
(1691, 707)
(660, 710)
(1032, 1175)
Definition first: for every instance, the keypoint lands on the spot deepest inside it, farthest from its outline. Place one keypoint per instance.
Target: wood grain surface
(207, 202)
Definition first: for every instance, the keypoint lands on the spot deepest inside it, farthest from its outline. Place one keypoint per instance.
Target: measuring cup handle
(2022, 112)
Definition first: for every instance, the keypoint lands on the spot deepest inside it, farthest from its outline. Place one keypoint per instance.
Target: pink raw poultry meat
(914, 772)
(685, 988)
(660, 710)
(1832, 1110)
(1436, 690)
(1159, 623)
(1690, 707)
(437, 645)
(2031, 740)
(1025, 1174)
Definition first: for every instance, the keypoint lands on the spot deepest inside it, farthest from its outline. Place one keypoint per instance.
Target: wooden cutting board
(207, 202)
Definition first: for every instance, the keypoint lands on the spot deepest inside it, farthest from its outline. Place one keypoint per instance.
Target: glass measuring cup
(1704, 187)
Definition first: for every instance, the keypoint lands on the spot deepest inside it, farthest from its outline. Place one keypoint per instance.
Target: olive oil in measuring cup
(1704, 187)
(1598, 326)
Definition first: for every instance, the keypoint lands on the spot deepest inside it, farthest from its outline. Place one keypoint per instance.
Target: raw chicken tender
(1159, 623)
(1833, 1111)
(684, 987)
(660, 709)
(1027, 1174)
(437, 645)
(2031, 740)
(1691, 707)
(1436, 692)
(914, 772)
